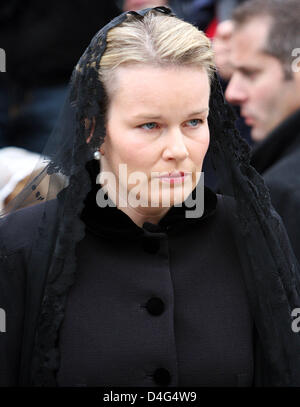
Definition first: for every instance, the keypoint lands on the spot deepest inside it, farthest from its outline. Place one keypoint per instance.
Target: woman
(107, 285)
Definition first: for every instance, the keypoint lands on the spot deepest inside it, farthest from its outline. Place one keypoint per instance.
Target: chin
(258, 134)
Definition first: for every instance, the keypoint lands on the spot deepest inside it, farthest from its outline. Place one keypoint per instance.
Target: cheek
(135, 154)
(199, 148)
(266, 89)
(117, 147)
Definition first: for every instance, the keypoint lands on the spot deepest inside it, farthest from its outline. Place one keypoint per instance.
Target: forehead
(249, 40)
(140, 86)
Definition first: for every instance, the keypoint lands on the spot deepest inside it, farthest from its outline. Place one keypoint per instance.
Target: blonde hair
(155, 40)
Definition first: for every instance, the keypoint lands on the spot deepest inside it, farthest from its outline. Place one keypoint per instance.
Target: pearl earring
(97, 155)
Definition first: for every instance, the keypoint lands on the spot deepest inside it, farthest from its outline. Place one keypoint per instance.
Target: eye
(151, 126)
(249, 74)
(195, 122)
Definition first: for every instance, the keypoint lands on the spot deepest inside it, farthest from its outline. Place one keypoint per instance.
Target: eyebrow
(146, 116)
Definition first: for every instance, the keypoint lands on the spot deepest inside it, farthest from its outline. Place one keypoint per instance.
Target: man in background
(265, 83)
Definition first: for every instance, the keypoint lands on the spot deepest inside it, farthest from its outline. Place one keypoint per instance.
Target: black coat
(277, 159)
(208, 294)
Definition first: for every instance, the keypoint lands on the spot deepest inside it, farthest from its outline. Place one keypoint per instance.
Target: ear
(102, 148)
(87, 125)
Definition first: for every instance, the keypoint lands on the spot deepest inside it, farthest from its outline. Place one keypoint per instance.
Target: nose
(175, 147)
(235, 92)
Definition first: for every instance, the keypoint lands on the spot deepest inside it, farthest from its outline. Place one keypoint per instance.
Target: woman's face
(156, 125)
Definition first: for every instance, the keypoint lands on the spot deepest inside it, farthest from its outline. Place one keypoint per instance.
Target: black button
(162, 377)
(155, 306)
(151, 245)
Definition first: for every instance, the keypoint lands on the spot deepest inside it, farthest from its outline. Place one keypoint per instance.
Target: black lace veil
(269, 266)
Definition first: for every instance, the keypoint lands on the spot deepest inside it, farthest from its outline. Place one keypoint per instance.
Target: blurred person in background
(209, 14)
(42, 42)
(179, 7)
(266, 84)
(225, 8)
(202, 13)
(17, 168)
(16, 164)
(221, 45)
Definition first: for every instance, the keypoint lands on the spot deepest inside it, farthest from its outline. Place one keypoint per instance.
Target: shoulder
(283, 182)
(286, 169)
(17, 288)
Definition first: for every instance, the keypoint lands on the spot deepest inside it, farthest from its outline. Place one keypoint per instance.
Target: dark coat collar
(111, 221)
(281, 142)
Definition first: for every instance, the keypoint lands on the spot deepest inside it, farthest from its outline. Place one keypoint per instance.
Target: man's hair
(155, 40)
(284, 33)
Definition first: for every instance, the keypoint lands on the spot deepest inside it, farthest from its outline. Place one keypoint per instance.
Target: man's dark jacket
(277, 159)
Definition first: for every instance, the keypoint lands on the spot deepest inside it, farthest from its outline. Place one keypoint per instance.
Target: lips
(175, 177)
(176, 174)
(249, 120)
